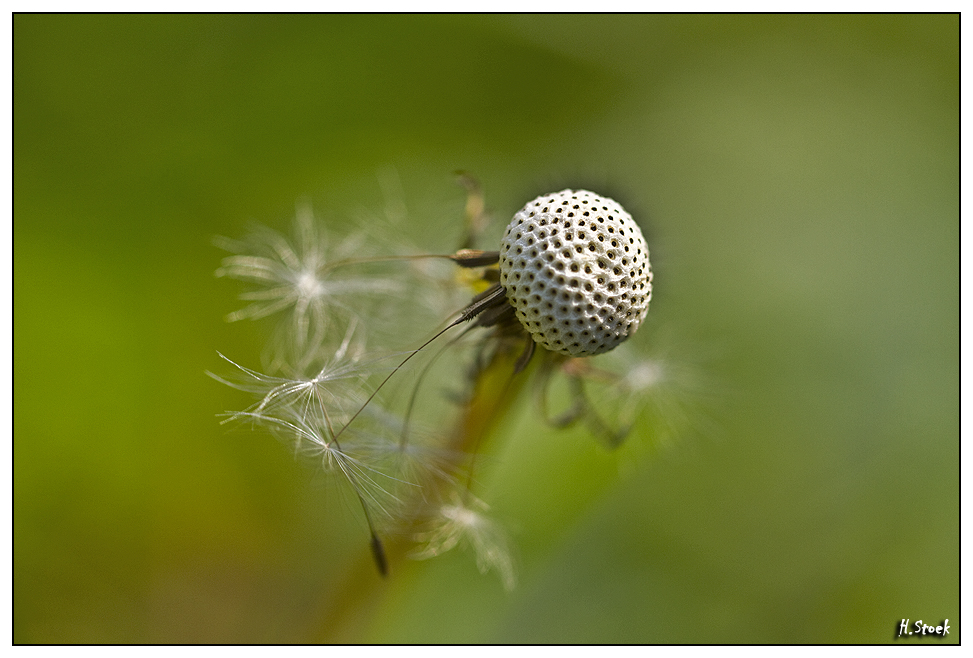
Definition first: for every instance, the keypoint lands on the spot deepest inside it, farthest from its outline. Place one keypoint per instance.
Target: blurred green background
(797, 178)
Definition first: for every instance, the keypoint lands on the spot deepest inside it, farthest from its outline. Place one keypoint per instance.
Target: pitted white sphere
(576, 268)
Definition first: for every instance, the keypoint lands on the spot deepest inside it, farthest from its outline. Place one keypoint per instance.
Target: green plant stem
(347, 612)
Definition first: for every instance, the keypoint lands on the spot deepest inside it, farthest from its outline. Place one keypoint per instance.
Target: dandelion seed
(420, 459)
(311, 438)
(308, 277)
(465, 523)
(660, 388)
(336, 391)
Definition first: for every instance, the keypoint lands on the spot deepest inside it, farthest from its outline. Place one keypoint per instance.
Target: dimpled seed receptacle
(576, 268)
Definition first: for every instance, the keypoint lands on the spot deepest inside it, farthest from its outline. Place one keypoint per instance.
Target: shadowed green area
(796, 178)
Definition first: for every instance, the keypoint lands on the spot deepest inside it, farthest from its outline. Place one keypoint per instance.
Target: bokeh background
(797, 178)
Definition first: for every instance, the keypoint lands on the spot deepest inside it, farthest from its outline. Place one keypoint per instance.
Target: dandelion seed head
(575, 266)
(574, 269)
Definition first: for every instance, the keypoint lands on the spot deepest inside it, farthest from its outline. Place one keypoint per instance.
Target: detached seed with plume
(575, 267)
